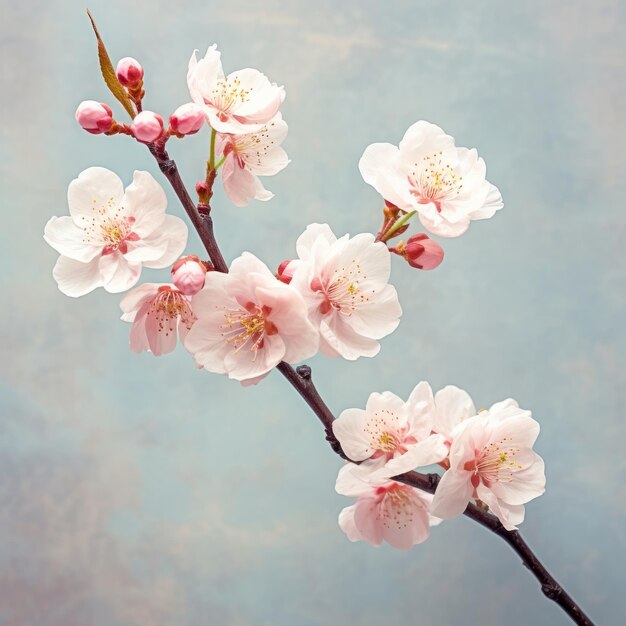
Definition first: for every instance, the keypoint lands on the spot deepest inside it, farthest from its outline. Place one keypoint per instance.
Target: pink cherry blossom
(94, 117)
(345, 285)
(492, 460)
(111, 233)
(384, 511)
(249, 156)
(248, 321)
(390, 436)
(448, 408)
(242, 102)
(446, 185)
(159, 314)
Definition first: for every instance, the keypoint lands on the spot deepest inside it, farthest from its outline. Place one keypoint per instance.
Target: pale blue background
(139, 491)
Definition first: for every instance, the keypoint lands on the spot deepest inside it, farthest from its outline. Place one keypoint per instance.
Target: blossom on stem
(187, 119)
(390, 436)
(446, 185)
(250, 155)
(422, 252)
(94, 117)
(492, 460)
(147, 126)
(188, 274)
(159, 314)
(111, 233)
(242, 102)
(384, 511)
(345, 285)
(448, 408)
(248, 321)
(129, 72)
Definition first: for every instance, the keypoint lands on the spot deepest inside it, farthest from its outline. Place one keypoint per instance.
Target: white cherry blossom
(249, 156)
(242, 102)
(390, 436)
(446, 185)
(384, 511)
(447, 408)
(248, 321)
(111, 233)
(491, 459)
(345, 285)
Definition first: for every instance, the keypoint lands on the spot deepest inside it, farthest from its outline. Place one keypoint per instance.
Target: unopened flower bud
(202, 187)
(423, 253)
(147, 126)
(94, 117)
(129, 72)
(285, 272)
(188, 274)
(187, 119)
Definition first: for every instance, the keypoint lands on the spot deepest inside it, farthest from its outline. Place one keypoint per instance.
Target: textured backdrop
(139, 491)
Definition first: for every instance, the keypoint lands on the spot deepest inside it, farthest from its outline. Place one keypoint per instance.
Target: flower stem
(397, 226)
(212, 154)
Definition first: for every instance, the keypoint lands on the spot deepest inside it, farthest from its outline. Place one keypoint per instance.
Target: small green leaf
(108, 72)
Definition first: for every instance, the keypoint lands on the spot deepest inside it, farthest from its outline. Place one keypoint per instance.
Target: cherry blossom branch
(301, 380)
(200, 215)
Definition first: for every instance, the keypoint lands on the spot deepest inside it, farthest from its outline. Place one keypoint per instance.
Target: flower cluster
(338, 300)
(334, 297)
(487, 455)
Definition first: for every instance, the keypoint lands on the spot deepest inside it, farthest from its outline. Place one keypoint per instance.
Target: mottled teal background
(139, 491)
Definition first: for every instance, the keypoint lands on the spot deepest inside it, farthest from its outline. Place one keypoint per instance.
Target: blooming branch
(335, 297)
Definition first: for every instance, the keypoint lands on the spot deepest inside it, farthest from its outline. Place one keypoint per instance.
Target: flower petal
(453, 494)
(75, 278)
(96, 192)
(146, 201)
(68, 240)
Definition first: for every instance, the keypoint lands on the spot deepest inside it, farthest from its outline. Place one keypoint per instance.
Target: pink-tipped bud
(188, 274)
(202, 187)
(147, 126)
(94, 117)
(129, 72)
(187, 119)
(423, 253)
(285, 271)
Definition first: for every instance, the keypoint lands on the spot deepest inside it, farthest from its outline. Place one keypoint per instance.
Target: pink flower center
(494, 463)
(248, 327)
(434, 180)
(342, 291)
(399, 505)
(115, 233)
(168, 306)
(226, 95)
(386, 437)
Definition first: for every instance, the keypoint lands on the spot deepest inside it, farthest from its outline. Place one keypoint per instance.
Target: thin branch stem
(212, 154)
(302, 382)
(200, 215)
